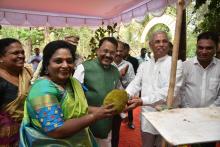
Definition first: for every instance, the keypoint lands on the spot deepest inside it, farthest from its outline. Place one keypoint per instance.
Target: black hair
(37, 48)
(5, 42)
(143, 49)
(126, 46)
(209, 35)
(122, 43)
(51, 48)
(110, 39)
(170, 51)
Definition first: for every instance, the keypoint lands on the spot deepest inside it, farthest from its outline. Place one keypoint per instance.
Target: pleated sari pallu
(73, 105)
(11, 114)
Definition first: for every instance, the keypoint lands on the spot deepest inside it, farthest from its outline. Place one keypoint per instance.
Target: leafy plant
(211, 19)
(100, 33)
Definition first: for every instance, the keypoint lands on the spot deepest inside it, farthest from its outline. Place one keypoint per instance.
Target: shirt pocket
(213, 83)
(162, 79)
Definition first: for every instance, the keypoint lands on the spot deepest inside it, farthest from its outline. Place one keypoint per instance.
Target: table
(187, 125)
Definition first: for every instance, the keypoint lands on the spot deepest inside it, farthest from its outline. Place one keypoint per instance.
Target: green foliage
(171, 11)
(191, 45)
(199, 3)
(131, 34)
(211, 19)
(37, 35)
(161, 27)
(202, 15)
(99, 34)
(60, 33)
(23, 34)
(6, 32)
(84, 34)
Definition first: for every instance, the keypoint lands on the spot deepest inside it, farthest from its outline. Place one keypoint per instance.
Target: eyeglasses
(106, 51)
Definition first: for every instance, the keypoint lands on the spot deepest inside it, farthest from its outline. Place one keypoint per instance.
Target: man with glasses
(99, 77)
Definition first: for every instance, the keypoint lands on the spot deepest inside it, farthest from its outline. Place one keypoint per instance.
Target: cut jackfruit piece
(118, 98)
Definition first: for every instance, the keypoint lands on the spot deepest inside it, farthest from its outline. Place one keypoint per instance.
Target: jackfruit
(118, 98)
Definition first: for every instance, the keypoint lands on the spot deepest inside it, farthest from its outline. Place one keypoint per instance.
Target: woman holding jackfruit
(56, 111)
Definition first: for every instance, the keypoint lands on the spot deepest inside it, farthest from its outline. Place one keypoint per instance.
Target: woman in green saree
(56, 112)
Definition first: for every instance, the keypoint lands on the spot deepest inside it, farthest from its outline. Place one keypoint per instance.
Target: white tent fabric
(81, 12)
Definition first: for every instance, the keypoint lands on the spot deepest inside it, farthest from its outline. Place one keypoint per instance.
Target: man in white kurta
(152, 79)
(126, 76)
(129, 75)
(125, 68)
(201, 86)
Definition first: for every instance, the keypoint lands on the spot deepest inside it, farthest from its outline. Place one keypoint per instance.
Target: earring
(46, 72)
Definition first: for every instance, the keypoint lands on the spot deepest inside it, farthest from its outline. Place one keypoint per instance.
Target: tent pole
(182, 46)
(180, 7)
(170, 97)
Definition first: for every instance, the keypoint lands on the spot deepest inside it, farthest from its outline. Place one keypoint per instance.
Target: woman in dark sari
(14, 85)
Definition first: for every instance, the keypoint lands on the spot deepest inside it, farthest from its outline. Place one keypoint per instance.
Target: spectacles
(106, 51)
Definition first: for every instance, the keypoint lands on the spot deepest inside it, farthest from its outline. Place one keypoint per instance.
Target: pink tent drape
(75, 12)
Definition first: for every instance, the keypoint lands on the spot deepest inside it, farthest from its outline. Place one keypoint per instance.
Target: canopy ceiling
(75, 12)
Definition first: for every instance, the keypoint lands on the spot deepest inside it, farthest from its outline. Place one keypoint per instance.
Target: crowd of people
(61, 104)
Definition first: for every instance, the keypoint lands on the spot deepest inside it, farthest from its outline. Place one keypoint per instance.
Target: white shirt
(79, 60)
(79, 73)
(152, 79)
(141, 59)
(201, 87)
(129, 76)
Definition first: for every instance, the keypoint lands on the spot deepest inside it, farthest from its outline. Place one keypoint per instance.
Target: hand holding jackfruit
(118, 98)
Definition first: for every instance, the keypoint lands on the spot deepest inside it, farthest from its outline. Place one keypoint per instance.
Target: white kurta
(152, 79)
(201, 87)
(79, 73)
(129, 76)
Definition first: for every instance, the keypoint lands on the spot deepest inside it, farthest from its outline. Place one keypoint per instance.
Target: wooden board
(187, 125)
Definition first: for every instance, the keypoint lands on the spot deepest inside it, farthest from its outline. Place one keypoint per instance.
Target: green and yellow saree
(47, 108)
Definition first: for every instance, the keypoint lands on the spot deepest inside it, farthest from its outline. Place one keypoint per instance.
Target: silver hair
(157, 32)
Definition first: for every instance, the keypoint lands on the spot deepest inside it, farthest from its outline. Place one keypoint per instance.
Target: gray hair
(157, 32)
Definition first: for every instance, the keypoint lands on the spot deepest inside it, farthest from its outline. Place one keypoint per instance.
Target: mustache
(109, 58)
(118, 56)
